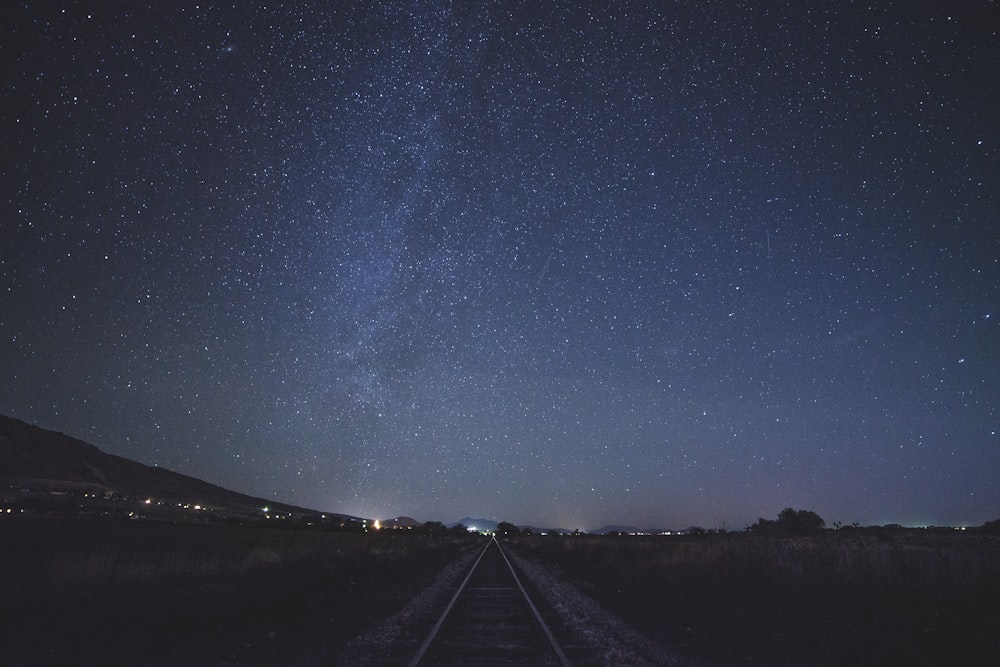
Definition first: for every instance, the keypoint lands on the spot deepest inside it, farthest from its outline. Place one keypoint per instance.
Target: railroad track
(490, 620)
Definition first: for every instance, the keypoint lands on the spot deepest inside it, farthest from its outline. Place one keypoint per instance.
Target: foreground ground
(849, 597)
(84, 592)
(90, 592)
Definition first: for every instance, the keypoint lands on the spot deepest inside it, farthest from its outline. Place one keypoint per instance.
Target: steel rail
(437, 626)
(563, 660)
(537, 617)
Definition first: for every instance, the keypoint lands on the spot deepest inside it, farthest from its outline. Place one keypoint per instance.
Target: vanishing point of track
(490, 620)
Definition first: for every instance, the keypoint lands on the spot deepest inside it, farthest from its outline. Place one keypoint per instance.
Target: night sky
(665, 264)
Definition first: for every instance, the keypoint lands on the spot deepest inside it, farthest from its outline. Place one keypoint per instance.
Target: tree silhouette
(795, 522)
(432, 528)
(507, 529)
(992, 527)
(800, 522)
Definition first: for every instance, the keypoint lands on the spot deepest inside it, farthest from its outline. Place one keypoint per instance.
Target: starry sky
(559, 263)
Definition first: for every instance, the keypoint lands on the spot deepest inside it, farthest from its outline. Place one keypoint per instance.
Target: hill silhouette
(37, 461)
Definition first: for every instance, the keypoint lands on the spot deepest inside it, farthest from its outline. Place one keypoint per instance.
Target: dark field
(850, 597)
(102, 592)
(89, 592)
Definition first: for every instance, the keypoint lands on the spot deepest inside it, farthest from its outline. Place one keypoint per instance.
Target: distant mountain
(403, 522)
(617, 529)
(488, 524)
(475, 524)
(35, 460)
(603, 530)
(547, 531)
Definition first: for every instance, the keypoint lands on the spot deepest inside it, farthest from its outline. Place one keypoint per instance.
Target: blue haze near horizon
(659, 264)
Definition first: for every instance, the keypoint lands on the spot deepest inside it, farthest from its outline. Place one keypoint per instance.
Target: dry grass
(849, 597)
(125, 593)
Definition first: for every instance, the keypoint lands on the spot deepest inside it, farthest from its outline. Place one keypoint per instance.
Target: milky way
(662, 264)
